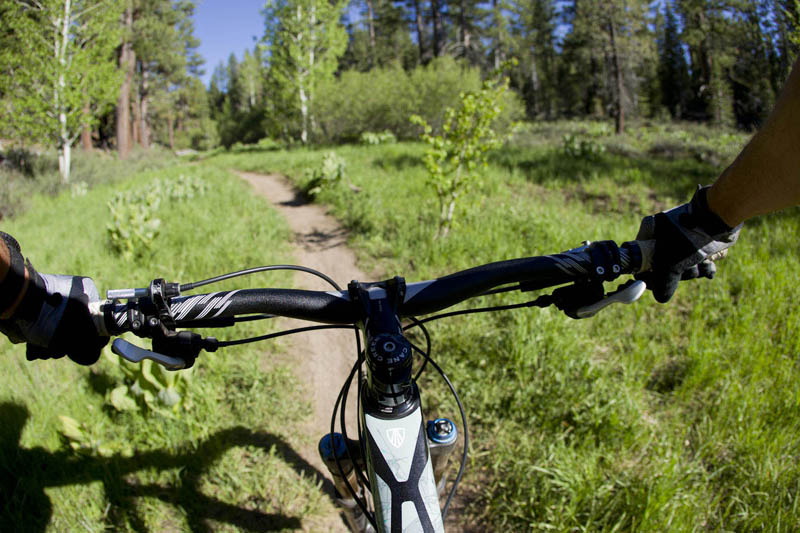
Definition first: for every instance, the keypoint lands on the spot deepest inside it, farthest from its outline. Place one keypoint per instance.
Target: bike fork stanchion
(442, 436)
(332, 447)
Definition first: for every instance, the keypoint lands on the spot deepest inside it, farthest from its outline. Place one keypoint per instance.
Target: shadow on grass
(253, 149)
(25, 473)
(399, 162)
(675, 177)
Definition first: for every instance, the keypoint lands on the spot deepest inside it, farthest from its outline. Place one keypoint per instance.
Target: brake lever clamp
(606, 261)
(153, 318)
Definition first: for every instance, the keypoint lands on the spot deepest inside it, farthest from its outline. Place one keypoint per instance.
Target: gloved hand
(54, 318)
(685, 238)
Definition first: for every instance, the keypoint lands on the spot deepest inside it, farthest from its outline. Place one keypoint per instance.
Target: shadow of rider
(26, 472)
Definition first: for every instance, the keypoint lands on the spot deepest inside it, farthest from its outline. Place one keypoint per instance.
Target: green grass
(27, 174)
(650, 417)
(226, 459)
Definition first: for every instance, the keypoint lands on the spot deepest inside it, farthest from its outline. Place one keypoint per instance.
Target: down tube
(401, 474)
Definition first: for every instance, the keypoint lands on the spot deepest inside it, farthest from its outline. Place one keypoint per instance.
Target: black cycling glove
(54, 318)
(685, 238)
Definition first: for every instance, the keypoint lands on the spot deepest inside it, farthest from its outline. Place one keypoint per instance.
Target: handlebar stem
(388, 353)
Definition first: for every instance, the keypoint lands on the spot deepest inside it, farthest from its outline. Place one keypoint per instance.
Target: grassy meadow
(225, 457)
(649, 417)
(678, 417)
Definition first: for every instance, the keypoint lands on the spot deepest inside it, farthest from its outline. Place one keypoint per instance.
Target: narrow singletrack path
(321, 359)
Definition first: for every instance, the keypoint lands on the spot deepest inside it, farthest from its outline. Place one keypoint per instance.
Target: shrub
(468, 136)
(149, 386)
(383, 99)
(374, 139)
(327, 175)
(582, 149)
(134, 225)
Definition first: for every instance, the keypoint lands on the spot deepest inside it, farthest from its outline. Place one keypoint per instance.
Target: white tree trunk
(64, 160)
(303, 113)
(64, 142)
(301, 89)
(312, 45)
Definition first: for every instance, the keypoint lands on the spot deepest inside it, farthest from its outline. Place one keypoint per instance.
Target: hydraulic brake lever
(627, 294)
(134, 354)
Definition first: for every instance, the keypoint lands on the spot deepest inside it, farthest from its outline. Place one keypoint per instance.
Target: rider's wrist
(14, 283)
(704, 217)
(33, 298)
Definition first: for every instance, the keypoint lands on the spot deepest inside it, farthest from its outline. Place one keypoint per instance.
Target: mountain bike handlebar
(590, 263)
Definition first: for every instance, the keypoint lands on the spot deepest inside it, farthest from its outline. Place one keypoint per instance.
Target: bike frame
(398, 460)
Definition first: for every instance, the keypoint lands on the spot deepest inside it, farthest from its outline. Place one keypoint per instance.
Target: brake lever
(627, 294)
(134, 354)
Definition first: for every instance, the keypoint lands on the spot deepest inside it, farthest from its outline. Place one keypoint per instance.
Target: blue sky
(225, 26)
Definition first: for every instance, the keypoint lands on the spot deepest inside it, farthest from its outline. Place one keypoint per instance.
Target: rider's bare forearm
(765, 177)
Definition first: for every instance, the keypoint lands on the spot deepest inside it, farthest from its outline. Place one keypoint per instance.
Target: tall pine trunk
(619, 119)
(171, 128)
(438, 28)
(420, 30)
(127, 62)
(371, 22)
(144, 124)
(463, 28)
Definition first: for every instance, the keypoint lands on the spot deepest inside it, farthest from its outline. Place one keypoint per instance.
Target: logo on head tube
(396, 436)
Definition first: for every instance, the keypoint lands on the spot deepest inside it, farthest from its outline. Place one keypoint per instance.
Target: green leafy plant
(148, 386)
(467, 137)
(582, 148)
(183, 188)
(134, 225)
(327, 175)
(82, 439)
(373, 139)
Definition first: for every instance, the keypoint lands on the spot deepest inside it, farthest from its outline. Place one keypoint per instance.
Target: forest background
(115, 75)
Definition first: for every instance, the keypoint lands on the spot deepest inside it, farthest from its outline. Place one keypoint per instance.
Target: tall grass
(649, 417)
(26, 173)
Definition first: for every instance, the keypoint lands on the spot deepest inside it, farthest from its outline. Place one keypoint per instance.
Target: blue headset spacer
(440, 438)
(332, 446)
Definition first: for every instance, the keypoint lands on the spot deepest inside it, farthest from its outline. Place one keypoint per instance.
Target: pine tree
(380, 39)
(753, 91)
(165, 49)
(604, 52)
(533, 32)
(673, 71)
(707, 32)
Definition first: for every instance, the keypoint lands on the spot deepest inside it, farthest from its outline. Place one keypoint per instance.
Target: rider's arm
(766, 175)
(764, 178)
(48, 312)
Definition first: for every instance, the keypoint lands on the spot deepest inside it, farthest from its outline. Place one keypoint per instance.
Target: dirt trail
(323, 358)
